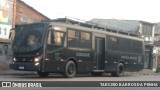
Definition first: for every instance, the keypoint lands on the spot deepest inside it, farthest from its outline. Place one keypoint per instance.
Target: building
(27, 14)
(12, 13)
(6, 19)
(156, 50)
(143, 29)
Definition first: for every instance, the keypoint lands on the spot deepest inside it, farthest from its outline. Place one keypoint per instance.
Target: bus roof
(92, 27)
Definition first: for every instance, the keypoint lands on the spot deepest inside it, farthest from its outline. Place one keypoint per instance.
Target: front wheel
(70, 69)
(119, 71)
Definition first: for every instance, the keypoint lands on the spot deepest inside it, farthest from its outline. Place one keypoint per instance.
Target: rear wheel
(97, 73)
(43, 74)
(70, 69)
(119, 71)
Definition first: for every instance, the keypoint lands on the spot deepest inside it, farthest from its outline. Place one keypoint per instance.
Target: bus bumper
(24, 66)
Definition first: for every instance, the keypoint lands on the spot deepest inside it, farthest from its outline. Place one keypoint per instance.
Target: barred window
(85, 36)
(78, 39)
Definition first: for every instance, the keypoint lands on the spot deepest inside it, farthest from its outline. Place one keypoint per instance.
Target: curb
(143, 72)
(147, 74)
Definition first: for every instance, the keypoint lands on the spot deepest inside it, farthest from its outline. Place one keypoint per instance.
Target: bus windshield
(28, 37)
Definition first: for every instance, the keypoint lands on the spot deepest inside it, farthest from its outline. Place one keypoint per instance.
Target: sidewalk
(143, 72)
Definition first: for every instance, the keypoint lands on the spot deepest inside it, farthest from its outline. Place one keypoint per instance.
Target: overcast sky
(146, 10)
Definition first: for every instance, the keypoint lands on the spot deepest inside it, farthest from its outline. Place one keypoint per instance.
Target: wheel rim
(71, 69)
(120, 70)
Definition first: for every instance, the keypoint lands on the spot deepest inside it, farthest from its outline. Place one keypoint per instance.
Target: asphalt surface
(57, 77)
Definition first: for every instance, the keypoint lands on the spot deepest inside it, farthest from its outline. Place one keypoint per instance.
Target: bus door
(100, 52)
(55, 43)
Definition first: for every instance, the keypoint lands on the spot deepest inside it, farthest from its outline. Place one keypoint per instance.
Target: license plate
(21, 67)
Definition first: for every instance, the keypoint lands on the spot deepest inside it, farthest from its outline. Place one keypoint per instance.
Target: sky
(145, 10)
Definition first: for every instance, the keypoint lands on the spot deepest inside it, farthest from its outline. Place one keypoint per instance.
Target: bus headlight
(37, 59)
(14, 59)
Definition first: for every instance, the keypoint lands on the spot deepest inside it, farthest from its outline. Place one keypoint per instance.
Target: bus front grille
(28, 59)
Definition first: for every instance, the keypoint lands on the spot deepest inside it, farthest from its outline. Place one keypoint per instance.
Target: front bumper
(24, 66)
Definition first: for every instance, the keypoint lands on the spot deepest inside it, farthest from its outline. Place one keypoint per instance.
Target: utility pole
(14, 13)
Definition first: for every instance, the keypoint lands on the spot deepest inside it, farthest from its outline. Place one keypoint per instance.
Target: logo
(57, 56)
(83, 54)
(21, 84)
(6, 84)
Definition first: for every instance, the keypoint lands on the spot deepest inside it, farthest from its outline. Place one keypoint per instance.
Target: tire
(119, 71)
(97, 73)
(43, 74)
(70, 69)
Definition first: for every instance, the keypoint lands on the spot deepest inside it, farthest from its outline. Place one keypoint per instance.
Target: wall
(27, 14)
(146, 30)
(156, 59)
(23, 14)
(5, 55)
(6, 16)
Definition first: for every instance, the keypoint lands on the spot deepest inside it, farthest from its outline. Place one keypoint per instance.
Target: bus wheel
(119, 72)
(97, 73)
(43, 74)
(70, 69)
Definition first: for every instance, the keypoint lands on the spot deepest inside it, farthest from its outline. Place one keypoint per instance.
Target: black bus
(70, 47)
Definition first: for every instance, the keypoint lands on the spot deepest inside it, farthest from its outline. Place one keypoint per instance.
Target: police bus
(70, 47)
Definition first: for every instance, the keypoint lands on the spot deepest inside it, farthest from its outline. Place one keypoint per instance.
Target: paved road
(81, 78)
(56, 77)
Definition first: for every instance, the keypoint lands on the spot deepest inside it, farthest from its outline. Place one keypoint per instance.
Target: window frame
(79, 39)
(52, 31)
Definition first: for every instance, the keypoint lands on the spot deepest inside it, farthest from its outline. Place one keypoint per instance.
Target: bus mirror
(12, 34)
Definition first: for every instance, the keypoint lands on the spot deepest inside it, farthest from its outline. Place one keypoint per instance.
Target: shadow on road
(60, 76)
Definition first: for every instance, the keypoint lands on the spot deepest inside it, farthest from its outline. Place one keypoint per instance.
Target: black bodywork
(103, 54)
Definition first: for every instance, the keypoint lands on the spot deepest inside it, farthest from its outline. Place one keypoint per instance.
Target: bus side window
(50, 41)
(59, 36)
(49, 38)
(85, 42)
(73, 38)
(55, 38)
(79, 39)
